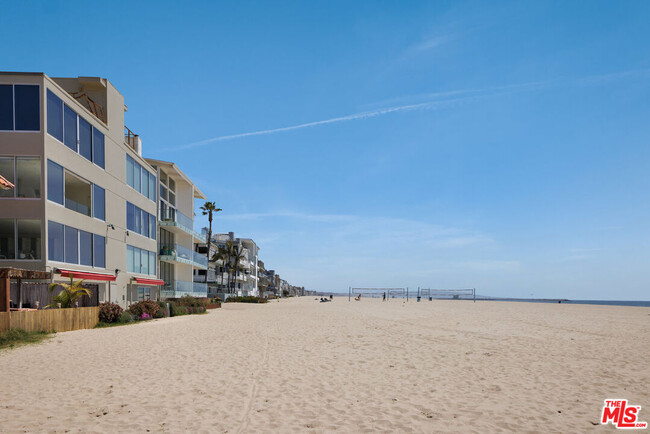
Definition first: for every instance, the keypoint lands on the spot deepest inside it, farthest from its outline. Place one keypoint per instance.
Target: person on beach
(331, 297)
(383, 298)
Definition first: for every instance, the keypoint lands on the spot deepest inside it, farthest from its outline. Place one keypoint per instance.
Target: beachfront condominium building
(177, 238)
(84, 200)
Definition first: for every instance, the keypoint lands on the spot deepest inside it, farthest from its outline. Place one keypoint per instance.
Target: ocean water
(564, 301)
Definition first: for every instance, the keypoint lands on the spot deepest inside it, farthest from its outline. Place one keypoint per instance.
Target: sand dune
(304, 366)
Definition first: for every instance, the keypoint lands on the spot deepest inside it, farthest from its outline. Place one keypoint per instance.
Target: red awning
(86, 275)
(142, 281)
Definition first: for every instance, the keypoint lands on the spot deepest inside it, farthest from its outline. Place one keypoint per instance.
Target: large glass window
(6, 107)
(71, 245)
(137, 219)
(69, 128)
(152, 263)
(130, 216)
(26, 103)
(28, 177)
(55, 241)
(99, 202)
(136, 260)
(54, 116)
(99, 251)
(98, 148)
(129, 170)
(152, 226)
(129, 259)
(136, 176)
(85, 248)
(29, 239)
(144, 261)
(145, 182)
(152, 187)
(85, 139)
(7, 239)
(77, 194)
(54, 182)
(7, 171)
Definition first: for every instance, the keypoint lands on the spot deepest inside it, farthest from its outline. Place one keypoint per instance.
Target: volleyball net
(378, 292)
(448, 294)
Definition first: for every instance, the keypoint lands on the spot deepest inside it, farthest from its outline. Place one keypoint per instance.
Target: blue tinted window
(152, 187)
(99, 251)
(129, 259)
(152, 226)
(85, 139)
(145, 224)
(130, 216)
(99, 202)
(152, 263)
(27, 111)
(54, 182)
(69, 128)
(138, 219)
(6, 107)
(85, 248)
(129, 170)
(98, 148)
(137, 170)
(71, 245)
(54, 241)
(54, 116)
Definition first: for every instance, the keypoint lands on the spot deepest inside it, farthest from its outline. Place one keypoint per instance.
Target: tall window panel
(6, 107)
(71, 245)
(7, 171)
(152, 226)
(7, 239)
(137, 172)
(86, 248)
(129, 170)
(99, 251)
(55, 237)
(54, 182)
(152, 187)
(152, 263)
(28, 177)
(54, 116)
(85, 139)
(29, 239)
(78, 194)
(129, 259)
(98, 148)
(27, 114)
(69, 128)
(99, 203)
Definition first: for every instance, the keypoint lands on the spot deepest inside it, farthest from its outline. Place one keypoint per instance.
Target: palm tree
(70, 293)
(222, 255)
(236, 255)
(209, 208)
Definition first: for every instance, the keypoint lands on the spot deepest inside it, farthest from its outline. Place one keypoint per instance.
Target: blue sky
(496, 145)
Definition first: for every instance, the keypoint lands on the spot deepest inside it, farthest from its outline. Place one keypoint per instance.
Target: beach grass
(18, 337)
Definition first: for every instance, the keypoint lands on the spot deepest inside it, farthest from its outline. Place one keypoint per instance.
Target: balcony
(173, 219)
(183, 255)
(179, 288)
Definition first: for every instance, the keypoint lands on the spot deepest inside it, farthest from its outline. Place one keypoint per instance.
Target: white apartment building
(178, 259)
(84, 201)
(243, 282)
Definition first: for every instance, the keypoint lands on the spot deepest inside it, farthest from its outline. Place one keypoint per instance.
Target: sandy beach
(304, 366)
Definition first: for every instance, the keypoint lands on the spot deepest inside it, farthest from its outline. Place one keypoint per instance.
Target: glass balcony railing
(173, 217)
(183, 254)
(178, 288)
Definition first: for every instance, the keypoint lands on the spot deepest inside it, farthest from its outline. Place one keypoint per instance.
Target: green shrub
(178, 309)
(16, 337)
(189, 301)
(109, 312)
(125, 317)
(145, 309)
(246, 299)
(162, 312)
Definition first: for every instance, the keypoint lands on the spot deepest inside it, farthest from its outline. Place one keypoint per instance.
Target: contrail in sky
(436, 100)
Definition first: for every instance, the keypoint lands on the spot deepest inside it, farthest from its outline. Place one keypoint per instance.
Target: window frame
(15, 181)
(16, 258)
(13, 108)
(94, 237)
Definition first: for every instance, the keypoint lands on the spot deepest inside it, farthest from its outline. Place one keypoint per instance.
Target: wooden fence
(59, 320)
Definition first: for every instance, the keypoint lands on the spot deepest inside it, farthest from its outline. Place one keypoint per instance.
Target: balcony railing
(173, 217)
(178, 288)
(130, 138)
(182, 254)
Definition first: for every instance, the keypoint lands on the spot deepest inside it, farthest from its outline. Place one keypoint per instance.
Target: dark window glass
(54, 116)
(130, 216)
(99, 202)
(6, 107)
(28, 114)
(69, 128)
(152, 226)
(137, 171)
(71, 245)
(99, 251)
(138, 219)
(85, 139)
(98, 148)
(78, 194)
(7, 239)
(152, 187)
(54, 241)
(7, 171)
(28, 177)
(54, 182)
(145, 224)
(129, 170)
(85, 248)
(29, 239)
